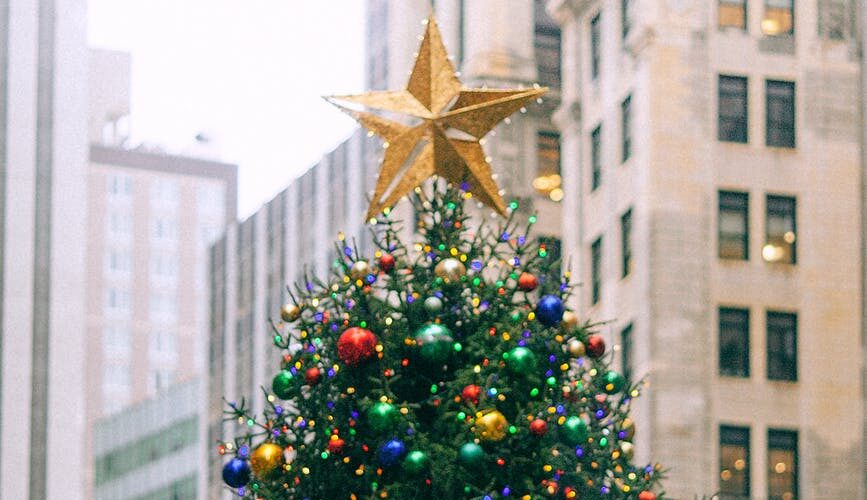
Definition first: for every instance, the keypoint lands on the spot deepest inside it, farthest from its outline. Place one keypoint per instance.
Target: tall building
(151, 218)
(712, 210)
(43, 154)
(254, 262)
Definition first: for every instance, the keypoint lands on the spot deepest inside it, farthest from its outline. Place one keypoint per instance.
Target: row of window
(117, 341)
(166, 193)
(736, 468)
(733, 112)
(596, 35)
(780, 227)
(777, 19)
(781, 343)
(162, 305)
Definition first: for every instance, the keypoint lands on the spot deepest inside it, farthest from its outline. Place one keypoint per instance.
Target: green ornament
(521, 361)
(574, 431)
(416, 462)
(434, 342)
(382, 417)
(282, 385)
(471, 454)
(614, 382)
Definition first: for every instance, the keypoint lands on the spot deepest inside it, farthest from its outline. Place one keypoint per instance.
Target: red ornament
(313, 375)
(538, 427)
(386, 262)
(336, 445)
(527, 282)
(356, 345)
(471, 394)
(595, 346)
(570, 493)
(646, 495)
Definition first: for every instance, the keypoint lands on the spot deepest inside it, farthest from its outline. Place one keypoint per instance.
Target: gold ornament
(290, 312)
(576, 348)
(628, 426)
(491, 426)
(450, 270)
(267, 458)
(359, 269)
(628, 449)
(569, 321)
(449, 135)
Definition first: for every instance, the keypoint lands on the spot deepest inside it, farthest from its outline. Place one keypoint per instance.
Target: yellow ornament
(450, 270)
(267, 458)
(439, 105)
(576, 348)
(290, 312)
(569, 321)
(491, 426)
(359, 270)
(628, 449)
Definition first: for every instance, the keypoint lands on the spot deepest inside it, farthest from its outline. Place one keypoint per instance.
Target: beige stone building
(712, 211)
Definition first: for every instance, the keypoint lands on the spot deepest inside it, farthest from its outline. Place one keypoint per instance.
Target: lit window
(734, 458)
(626, 126)
(779, 17)
(734, 342)
(547, 181)
(595, 41)
(732, 112)
(782, 346)
(782, 465)
(733, 225)
(780, 114)
(596, 157)
(732, 13)
(626, 241)
(596, 270)
(781, 232)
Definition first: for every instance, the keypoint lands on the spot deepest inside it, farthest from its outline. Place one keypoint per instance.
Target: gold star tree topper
(449, 121)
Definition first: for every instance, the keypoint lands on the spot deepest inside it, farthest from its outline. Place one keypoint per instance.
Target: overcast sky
(249, 73)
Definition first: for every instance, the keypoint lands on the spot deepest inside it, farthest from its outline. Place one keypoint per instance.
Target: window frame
(596, 271)
(739, 123)
(785, 133)
(781, 366)
(726, 323)
(730, 202)
(736, 436)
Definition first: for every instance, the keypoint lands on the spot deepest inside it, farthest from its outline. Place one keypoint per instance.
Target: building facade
(712, 210)
(43, 155)
(152, 450)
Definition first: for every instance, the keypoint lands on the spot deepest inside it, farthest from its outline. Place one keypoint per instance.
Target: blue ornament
(391, 452)
(236, 472)
(549, 310)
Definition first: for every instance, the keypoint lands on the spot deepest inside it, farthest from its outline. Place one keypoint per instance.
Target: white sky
(249, 73)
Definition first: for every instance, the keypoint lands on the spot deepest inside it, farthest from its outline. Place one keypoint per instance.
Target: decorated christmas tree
(444, 367)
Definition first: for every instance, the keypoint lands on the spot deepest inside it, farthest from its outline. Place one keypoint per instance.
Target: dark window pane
(780, 118)
(782, 465)
(734, 342)
(782, 346)
(626, 352)
(778, 18)
(780, 230)
(733, 225)
(734, 462)
(595, 40)
(547, 45)
(596, 270)
(733, 13)
(732, 114)
(625, 17)
(626, 126)
(626, 241)
(596, 157)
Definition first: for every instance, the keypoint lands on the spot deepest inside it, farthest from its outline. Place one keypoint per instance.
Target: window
(625, 15)
(120, 224)
(626, 241)
(118, 261)
(163, 343)
(734, 462)
(782, 465)
(626, 126)
(626, 352)
(164, 267)
(595, 40)
(779, 17)
(780, 230)
(732, 13)
(116, 376)
(834, 19)
(117, 301)
(596, 270)
(732, 113)
(733, 225)
(734, 342)
(164, 193)
(547, 181)
(160, 379)
(163, 307)
(780, 118)
(547, 45)
(119, 185)
(165, 228)
(596, 157)
(117, 341)
(782, 346)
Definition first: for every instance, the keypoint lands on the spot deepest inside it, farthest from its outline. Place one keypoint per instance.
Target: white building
(43, 155)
